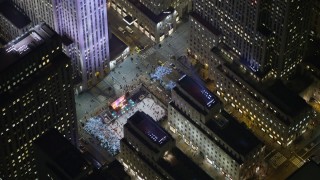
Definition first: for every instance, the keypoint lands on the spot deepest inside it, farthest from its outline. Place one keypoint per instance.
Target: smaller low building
(154, 26)
(13, 21)
(149, 152)
(268, 105)
(193, 98)
(197, 116)
(118, 51)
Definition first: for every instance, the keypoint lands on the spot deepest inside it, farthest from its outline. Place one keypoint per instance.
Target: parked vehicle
(129, 29)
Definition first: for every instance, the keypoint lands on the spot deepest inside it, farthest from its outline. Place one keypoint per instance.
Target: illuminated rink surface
(147, 105)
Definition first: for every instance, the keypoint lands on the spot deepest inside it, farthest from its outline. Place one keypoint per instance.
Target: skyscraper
(247, 46)
(58, 159)
(85, 24)
(12, 21)
(268, 36)
(36, 93)
(37, 10)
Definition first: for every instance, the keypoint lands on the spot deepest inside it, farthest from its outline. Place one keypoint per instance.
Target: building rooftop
(197, 91)
(113, 171)
(276, 92)
(14, 15)
(236, 135)
(14, 50)
(116, 46)
(151, 165)
(66, 40)
(285, 99)
(314, 60)
(309, 170)
(149, 128)
(189, 101)
(154, 17)
(63, 153)
(179, 166)
(232, 155)
(237, 60)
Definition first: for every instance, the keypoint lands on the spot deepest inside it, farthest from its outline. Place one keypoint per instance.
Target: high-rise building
(37, 10)
(36, 93)
(56, 158)
(85, 24)
(247, 45)
(315, 18)
(268, 36)
(13, 21)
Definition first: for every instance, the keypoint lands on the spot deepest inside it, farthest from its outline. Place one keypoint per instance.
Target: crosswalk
(277, 159)
(148, 53)
(296, 161)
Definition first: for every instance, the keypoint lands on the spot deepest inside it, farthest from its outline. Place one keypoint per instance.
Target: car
(121, 29)
(137, 49)
(160, 63)
(129, 29)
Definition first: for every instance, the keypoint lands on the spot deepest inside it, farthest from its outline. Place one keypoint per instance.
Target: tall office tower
(36, 93)
(37, 10)
(246, 45)
(13, 21)
(268, 36)
(85, 24)
(56, 158)
(315, 18)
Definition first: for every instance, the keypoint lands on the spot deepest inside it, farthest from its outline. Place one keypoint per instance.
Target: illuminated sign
(119, 103)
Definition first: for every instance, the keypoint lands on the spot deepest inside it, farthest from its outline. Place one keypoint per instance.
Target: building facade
(36, 93)
(13, 21)
(155, 26)
(156, 6)
(56, 158)
(246, 45)
(143, 145)
(37, 10)
(197, 115)
(315, 18)
(200, 140)
(85, 25)
(264, 34)
(282, 117)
